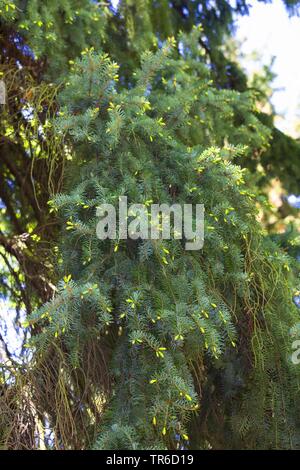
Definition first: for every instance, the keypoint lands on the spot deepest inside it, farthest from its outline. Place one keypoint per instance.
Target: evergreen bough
(153, 346)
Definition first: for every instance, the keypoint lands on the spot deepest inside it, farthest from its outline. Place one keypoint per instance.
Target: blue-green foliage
(198, 341)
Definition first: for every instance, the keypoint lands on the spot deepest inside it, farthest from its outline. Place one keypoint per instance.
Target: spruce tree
(144, 345)
(158, 347)
(38, 43)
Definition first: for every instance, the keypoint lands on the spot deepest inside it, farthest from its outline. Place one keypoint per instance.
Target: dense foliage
(142, 344)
